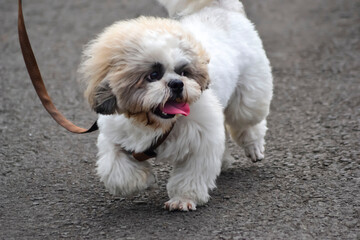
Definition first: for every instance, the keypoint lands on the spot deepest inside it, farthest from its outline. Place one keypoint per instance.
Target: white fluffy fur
(194, 146)
(239, 70)
(241, 80)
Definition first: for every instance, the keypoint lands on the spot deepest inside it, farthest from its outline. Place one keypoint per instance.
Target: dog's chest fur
(185, 137)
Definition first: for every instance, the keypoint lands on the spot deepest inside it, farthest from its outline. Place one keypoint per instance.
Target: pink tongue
(176, 108)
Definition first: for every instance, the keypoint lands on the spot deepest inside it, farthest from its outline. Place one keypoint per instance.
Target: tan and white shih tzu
(202, 73)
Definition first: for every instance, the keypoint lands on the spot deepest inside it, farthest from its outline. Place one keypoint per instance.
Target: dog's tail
(179, 8)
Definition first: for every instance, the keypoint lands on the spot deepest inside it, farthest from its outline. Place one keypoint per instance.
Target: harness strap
(150, 152)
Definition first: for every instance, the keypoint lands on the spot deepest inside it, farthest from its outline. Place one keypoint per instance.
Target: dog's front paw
(227, 161)
(121, 176)
(180, 204)
(255, 151)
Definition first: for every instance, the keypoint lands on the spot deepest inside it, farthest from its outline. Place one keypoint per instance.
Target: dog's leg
(247, 110)
(192, 178)
(197, 148)
(227, 159)
(252, 140)
(119, 172)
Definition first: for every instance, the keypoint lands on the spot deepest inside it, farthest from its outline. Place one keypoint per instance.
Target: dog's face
(148, 69)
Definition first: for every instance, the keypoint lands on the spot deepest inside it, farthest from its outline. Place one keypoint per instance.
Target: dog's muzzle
(175, 105)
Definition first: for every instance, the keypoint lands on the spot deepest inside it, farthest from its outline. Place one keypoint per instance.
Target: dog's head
(149, 69)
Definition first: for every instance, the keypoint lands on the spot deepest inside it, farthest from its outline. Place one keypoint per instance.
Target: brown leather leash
(38, 83)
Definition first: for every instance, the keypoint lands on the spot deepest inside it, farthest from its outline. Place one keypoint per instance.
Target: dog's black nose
(176, 85)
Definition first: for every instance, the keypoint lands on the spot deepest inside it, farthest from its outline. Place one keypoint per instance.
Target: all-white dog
(198, 75)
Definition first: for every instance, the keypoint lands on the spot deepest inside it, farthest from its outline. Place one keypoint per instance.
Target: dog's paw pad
(255, 152)
(184, 205)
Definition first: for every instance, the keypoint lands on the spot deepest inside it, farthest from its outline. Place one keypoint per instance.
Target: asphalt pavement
(308, 186)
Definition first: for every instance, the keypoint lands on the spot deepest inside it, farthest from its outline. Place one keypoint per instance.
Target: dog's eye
(182, 70)
(184, 73)
(153, 76)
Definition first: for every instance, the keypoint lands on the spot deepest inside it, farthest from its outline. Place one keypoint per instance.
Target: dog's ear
(104, 101)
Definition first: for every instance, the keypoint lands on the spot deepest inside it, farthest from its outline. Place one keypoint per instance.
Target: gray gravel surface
(308, 187)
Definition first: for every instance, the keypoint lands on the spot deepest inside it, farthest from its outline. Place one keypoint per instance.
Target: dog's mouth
(171, 109)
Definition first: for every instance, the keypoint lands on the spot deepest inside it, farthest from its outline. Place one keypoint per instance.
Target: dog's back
(187, 7)
(239, 70)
